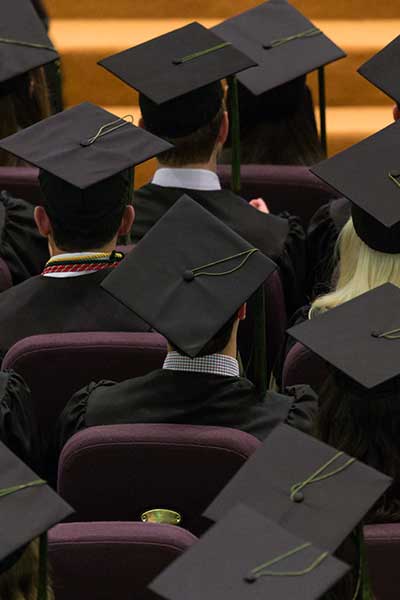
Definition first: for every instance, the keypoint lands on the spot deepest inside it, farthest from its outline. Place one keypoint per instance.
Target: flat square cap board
(281, 41)
(193, 273)
(368, 174)
(382, 70)
(84, 145)
(361, 337)
(305, 486)
(177, 62)
(28, 506)
(24, 43)
(227, 564)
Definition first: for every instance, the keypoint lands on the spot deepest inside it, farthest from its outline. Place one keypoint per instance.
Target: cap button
(298, 497)
(375, 334)
(85, 143)
(188, 275)
(250, 578)
(267, 46)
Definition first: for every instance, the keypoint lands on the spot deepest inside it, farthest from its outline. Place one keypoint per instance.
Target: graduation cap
(382, 70)
(304, 485)
(28, 507)
(368, 174)
(193, 273)
(179, 75)
(245, 556)
(284, 44)
(24, 44)
(360, 338)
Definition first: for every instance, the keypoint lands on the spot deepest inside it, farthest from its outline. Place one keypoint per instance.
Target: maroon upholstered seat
(303, 366)
(116, 472)
(21, 182)
(5, 276)
(383, 551)
(103, 561)
(283, 187)
(57, 365)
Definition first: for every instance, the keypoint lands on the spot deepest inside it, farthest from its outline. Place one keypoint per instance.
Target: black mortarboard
(368, 174)
(245, 556)
(179, 75)
(309, 488)
(382, 70)
(193, 273)
(359, 337)
(24, 43)
(28, 509)
(283, 43)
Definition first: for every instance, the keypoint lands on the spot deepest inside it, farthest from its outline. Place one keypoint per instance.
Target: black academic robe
(17, 425)
(21, 246)
(166, 396)
(281, 239)
(53, 305)
(322, 235)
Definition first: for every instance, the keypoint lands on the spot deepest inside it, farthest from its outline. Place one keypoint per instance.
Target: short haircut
(85, 219)
(218, 342)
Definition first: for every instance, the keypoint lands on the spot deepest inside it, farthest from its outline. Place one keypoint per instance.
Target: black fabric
(166, 396)
(281, 239)
(57, 305)
(21, 246)
(382, 70)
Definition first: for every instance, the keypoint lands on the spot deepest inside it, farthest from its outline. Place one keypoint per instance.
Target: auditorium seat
(303, 366)
(383, 549)
(104, 561)
(116, 472)
(21, 182)
(284, 188)
(72, 360)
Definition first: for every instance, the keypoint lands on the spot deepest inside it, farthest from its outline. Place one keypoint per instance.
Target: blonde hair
(20, 582)
(360, 269)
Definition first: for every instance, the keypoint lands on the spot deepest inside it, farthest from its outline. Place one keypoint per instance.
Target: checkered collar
(215, 364)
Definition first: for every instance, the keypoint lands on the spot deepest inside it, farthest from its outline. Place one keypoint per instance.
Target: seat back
(55, 366)
(5, 276)
(383, 551)
(112, 560)
(284, 188)
(116, 472)
(303, 366)
(21, 182)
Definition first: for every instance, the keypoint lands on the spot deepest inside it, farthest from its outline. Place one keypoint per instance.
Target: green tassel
(235, 133)
(42, 574)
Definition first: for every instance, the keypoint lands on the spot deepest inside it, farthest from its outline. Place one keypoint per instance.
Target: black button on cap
(188, 275)
(298, 497)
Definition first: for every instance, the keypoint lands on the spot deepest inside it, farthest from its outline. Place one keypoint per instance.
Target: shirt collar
(215, 364)
(192, 179)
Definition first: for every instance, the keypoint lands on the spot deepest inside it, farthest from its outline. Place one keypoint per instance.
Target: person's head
(196, 124)
(20, 580)
(23, 101)
(278, 126)
(360, 269)
(225, 340)
(77, 220)
(396, 112)
(364, 423)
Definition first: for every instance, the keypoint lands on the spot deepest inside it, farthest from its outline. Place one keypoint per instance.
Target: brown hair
(20, 582)
(27, 103)
(194, 148)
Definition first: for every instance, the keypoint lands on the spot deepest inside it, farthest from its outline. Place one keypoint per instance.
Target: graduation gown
(17, 424)
(322, 235)
(166, 396)
(21, 246)
(281, 239)
(58, 305)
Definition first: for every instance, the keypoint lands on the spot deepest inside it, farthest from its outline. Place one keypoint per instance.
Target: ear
(224, 129)
(42, 221)
(242, 312)
(141, 123)
(127, 220)
(396, 112)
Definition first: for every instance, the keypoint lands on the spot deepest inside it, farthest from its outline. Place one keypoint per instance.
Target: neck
(56, 251)
(210, 165)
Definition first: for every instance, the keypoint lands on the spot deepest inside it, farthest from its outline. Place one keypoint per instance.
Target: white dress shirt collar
(192, 179)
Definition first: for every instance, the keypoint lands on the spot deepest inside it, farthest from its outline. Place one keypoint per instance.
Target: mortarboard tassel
(27, 44)
(313, 31)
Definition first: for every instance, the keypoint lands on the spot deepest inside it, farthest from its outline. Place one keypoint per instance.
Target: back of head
(190, 122)
(20, 580)
(85, 219)
(360, 269)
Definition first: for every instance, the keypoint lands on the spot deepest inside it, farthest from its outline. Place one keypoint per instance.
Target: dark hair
(218, 342)
(365, 424)
(282, 132)
(24, 101)
(196, 147)
(85, 219)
